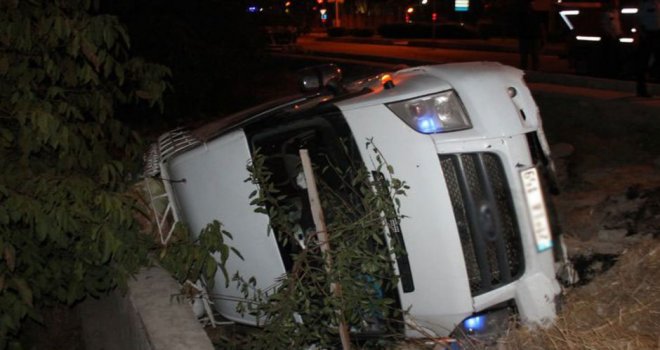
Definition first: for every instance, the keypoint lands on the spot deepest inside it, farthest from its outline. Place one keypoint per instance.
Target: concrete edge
(148, 317)
(459, 44)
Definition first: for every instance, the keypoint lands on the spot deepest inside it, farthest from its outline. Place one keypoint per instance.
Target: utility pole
(323, 240)
(433, 20)
(337, 20)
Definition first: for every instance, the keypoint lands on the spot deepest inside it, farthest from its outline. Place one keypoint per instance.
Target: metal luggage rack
(175, 141)
(168, 145)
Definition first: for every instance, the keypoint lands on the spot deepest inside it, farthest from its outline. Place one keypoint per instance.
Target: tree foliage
(66, 226)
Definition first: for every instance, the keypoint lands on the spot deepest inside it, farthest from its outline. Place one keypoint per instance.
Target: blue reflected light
(252, 9)
(427, 124)
(543, 245)
(475, 323)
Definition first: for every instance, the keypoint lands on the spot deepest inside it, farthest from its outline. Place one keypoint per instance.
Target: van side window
(335, 155)
(280, 145)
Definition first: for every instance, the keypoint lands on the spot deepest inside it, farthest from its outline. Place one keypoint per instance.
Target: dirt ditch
(610, 213)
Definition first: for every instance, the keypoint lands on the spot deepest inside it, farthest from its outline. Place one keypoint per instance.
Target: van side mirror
(326, 76)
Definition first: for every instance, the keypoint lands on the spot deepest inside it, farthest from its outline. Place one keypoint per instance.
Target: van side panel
(214, 189)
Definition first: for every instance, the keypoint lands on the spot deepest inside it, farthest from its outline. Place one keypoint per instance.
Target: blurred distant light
(287, 4)
(630, 10)
(461, 5)
(587, 38)
(626, 40)
(410, 10)
(564, 15)
(424, 2)
(252, 9)
(434, 16)
(319, 1)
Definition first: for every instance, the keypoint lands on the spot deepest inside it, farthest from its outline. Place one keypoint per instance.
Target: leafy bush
(66, 225)
(337, 32)
(425, 30)
(362, 32)
(341, 31)
(404, 30)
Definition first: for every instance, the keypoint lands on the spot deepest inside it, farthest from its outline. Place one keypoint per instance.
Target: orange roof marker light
(387, 81)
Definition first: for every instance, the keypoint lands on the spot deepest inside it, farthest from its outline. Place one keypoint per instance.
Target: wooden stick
(322, 236)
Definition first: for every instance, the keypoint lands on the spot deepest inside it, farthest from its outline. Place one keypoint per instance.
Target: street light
(409, 11)
(434, 17)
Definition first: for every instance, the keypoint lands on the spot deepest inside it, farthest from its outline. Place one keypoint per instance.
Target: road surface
(549, 63)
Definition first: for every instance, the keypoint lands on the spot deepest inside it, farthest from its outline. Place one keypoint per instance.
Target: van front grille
(485, 219)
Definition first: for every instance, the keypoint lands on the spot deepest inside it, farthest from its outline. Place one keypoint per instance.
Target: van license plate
(536, 208)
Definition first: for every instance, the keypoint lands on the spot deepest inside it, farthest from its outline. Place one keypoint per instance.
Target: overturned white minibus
(466, 138)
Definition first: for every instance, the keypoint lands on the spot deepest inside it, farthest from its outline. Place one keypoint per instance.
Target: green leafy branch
(302, 310)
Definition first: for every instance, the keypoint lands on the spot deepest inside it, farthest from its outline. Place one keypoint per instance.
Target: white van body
(452, 279)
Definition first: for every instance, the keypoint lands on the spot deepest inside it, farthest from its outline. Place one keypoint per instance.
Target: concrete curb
(497, 45)
(149, 317)
(588, 82)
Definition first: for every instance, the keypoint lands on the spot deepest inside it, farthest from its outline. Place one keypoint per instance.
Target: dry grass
(619, 309)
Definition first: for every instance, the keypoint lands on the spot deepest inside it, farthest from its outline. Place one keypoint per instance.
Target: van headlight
(437, 113)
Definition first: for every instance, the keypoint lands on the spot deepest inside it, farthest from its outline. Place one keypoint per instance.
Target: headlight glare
(437, 113)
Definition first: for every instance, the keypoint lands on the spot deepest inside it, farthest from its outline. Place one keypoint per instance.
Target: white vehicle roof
(479, 85)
